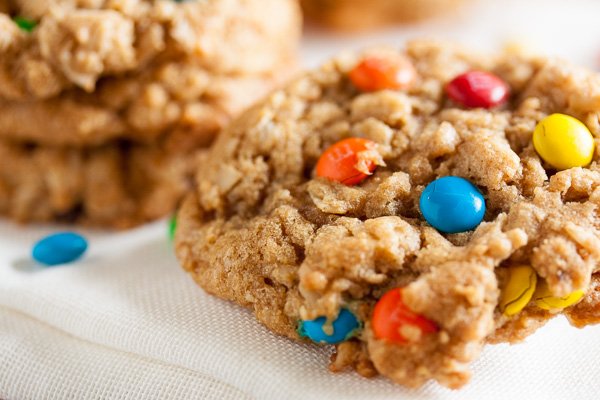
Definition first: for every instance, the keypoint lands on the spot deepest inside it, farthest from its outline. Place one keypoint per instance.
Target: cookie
(116, 185)
(104, 105)
(399, 205)
(356, 15)
(89, 72)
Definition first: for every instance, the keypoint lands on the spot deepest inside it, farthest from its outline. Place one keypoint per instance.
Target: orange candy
(394, 321)
(378, 72)
(349, 161)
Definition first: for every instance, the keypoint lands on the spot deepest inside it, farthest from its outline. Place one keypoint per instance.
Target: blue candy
(60, 248)
(452, 205)
(343, 328)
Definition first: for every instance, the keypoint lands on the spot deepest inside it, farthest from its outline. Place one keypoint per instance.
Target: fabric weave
(125, 322)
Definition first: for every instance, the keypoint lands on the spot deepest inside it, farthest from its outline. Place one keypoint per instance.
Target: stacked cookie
(356, 14)
(409, 207)
(105, 105)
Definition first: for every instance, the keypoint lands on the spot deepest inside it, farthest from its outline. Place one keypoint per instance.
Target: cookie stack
(106, 105)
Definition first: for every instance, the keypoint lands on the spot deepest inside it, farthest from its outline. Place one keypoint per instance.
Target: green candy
(172, 226)
(25, 24)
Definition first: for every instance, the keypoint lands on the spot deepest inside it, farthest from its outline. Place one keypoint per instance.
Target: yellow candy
(546, 300)
(563, 142)
(517, 293)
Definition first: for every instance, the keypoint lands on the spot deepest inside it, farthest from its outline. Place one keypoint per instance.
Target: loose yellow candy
(519, 290)
(546, 300)
(563, 142)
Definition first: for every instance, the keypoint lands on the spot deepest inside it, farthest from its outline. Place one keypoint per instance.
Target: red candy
(478, 89)
(349, 161)
(394, 321)
(383, 72)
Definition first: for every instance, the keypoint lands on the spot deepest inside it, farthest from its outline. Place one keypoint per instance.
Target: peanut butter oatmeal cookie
(92, 71)
(358, 14)
(121, 93)
(408, 206)
(118, 185)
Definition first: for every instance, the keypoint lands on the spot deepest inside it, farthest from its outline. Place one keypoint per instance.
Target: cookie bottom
(355, 15)
(118, 185)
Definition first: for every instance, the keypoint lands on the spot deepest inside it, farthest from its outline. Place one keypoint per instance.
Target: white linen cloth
(125, 322)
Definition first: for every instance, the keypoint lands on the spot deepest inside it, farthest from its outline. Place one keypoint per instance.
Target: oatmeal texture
(358, 15)
(106, 104)
(262, 230)
(95, 70)
(118, 185)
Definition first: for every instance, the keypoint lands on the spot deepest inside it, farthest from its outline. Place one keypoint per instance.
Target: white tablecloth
(126, 323)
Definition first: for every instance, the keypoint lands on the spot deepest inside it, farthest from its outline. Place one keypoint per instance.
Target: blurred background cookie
(361, 15)
(84, 79)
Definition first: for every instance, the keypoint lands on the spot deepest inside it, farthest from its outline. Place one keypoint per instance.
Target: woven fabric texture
(125, 322)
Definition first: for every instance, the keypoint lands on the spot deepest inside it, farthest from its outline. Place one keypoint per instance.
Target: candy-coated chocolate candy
(563, 142)
(379, 72)
(546, 300)
(25, 24)
(60, 248)
(521, 284)
(172, 226)
(452, 205)
(394, 321)
(344, 328)
(478, 89)
(349, 161)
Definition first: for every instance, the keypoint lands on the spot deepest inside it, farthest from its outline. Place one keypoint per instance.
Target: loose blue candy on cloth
(343, 328)
(452, 204)
(60, 248)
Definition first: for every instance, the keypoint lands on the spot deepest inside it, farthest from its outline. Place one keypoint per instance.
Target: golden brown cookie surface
(93, 71)
(103, 103)
(117, 185)
(264, 230)
(361, 15)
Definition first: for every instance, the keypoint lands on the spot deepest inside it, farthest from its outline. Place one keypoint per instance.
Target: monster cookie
(356, 14)
(410, 207)
(91, 71)
(118, 185)
(123, 78)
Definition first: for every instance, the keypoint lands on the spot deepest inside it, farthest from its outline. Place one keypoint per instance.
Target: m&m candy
(172, 226)
(452, 204)
(521, 284)
(478, 89)
(394, 321)
(546, 300)
(60, 248)
(25, 24)
(349, 161)
(563, 142)
(344, 328)
(379, 72)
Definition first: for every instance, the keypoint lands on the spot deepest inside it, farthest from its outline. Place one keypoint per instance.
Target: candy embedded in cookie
(434, 222)
(394, 321)
(452, 205)
(342, 328)
(545, 299)
(386, 71)
(25, 24)
(349, 161)
(521, 284)
(563, 142)
(478, 89)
